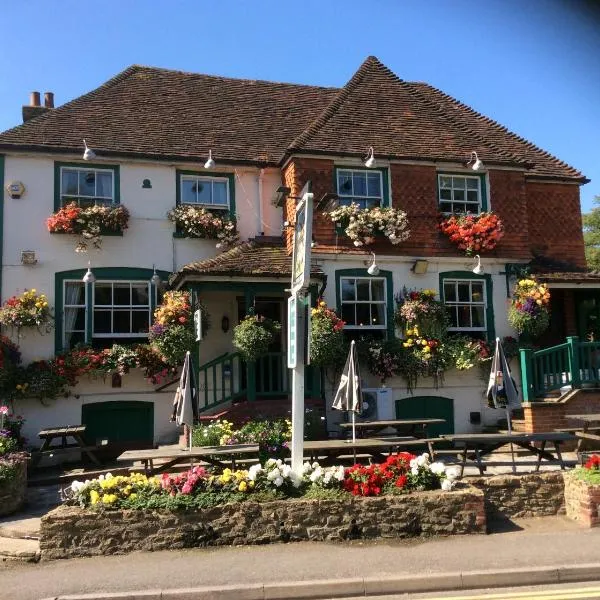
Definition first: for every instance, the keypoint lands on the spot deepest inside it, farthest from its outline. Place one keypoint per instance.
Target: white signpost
(297, 322)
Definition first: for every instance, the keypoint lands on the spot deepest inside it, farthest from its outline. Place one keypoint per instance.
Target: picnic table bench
(477, 445)
(74, 431)
(584, 433)
(412, 427)
(214, 455)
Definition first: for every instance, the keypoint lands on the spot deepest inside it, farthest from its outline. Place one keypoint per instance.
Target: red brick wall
(554, 217)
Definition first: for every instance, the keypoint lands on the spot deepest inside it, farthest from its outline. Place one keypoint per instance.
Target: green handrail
(220, 381)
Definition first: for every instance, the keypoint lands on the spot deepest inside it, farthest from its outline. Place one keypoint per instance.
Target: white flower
(452, 473)
(278, 481)
(414, 470)
(447, 484)
(76, 486)
(274, 474)
(437, 468)
(315, 465)
(270, 463)
(339, 473)
(286, 470)
(423, 460)
(413, 463)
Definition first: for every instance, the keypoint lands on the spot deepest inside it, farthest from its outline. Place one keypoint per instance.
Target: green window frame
(102, 274)
(60, 198)
(209, 177)
(453, 198)
(468, 277)
(383, 198)
(361, 274)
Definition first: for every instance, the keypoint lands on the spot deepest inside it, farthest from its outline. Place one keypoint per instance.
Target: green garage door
(428, 407)
(125, 425)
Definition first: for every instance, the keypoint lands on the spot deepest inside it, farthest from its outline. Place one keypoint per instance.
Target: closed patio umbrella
(502, 391)
(349, 393)
(185, 403)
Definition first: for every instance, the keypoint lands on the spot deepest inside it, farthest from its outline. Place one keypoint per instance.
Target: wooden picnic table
(591, 422)
(375, 447)
(481, 444)
(213, 455)
(74, 431)
(412, 427)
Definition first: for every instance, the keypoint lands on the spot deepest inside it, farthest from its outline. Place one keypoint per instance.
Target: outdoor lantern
(477, 164)
(89, 277)
(225, 324)
(373, 269)
(155, 279)
(210, 163)
(88, 153)
(370, 162)
(478, 269)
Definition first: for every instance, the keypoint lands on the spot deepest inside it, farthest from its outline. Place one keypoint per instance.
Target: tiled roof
(570, 277)
(255, 258)
(159, 113)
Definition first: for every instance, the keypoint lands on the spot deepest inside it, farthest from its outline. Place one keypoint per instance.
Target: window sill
(181, 236)
(102, 233)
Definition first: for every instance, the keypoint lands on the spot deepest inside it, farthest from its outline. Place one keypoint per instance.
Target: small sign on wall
(198, 324)
(15, 189)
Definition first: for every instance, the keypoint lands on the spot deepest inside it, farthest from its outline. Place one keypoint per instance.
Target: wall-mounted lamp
(373, 270)
(420, 266)
(88, 153)
(477, 164)
(89, 277)
(155, 279)
(210, 163)
(225, 323)
(370, 160)
(313, 244)
(280, 195)
(478, 269)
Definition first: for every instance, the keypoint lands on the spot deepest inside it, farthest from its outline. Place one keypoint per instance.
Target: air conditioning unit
(377, 405)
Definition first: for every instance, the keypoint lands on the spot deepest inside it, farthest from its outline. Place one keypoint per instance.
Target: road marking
(572, 594)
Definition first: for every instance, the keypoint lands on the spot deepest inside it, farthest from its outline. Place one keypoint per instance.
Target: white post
(298, 414)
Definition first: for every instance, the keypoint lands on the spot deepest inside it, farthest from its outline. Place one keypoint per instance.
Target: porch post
(574, 366)
(249, 295)
(527, 374)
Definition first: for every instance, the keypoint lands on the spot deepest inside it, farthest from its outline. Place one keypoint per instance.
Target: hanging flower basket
(29, 309)
(253, 336)
(529, 312)
(474, 234)
(420, 308)
(198, 222)
(89, 223)
(327, 346)
(361, 225)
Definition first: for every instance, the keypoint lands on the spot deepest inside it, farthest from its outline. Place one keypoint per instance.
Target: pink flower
(3, 410)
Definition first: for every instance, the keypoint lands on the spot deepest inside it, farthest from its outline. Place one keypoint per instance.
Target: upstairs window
(211, 192)
(363, 302)
(87, 186)
(461, 193)
(365, 187)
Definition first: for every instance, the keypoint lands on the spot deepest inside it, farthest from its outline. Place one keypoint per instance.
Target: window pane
(377, 292)
(204, 191)
(73, 338)
(363, 315)
(140, 322)
(463, 292)
(472, 196)
(87, 183)
(69, 182)
(121, 321)
(362, 289)
(472, 184)
(370, 203)
(345, 183)
(445, 207)
(453, 317)
(348, 289)
(359, 181)
(122, 294)
(459, 208)
(74, 292)
(188, 193)
(104, 185)
(445, 182)
(459, 195)
(377, 314)
(477, 291)
(477, 316)
(374, 184)
(464, 316)
(446, 194)
(103, 293)
(348, 314)
(102, 319)
(75, 319)
(139, 294)
(458, 183)
(449, 292)
(220, 193)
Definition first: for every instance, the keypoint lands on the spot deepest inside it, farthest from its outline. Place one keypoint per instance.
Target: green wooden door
(428, 407)
(118, 426)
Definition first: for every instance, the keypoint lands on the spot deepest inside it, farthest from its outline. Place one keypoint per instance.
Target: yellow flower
(243, 486)
(427, 349)
(314, 311)
(94, 497)
(133, 496)
(322, 303)
(409, 332)
(251, 484)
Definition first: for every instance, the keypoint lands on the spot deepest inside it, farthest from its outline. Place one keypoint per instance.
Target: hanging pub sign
(302, 240)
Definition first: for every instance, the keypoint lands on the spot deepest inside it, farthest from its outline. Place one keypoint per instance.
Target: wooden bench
(74, 431)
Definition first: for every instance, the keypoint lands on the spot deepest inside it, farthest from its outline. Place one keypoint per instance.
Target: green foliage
(328, 347)
(591, 236)
(215, 433)
(174, 342)
(591, 476)
(253, 336)
(314, 492)
(526, 324)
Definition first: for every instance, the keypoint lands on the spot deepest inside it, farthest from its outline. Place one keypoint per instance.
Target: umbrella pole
(512, 450)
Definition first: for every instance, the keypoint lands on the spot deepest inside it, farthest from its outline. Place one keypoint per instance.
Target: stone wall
(70, 531)
(582, 500)
(518, 496)
(12, 491)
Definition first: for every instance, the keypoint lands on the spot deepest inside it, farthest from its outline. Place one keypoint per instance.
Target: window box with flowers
(362, 225)
(90, 223)
(199, 222)
(475, 234)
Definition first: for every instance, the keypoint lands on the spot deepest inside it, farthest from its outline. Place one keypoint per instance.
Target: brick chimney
(34, 109)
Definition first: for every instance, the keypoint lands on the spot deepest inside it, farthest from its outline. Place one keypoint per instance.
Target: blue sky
(530, 64)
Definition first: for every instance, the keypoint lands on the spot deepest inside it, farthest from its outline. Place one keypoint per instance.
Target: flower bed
(13, 482)
(582, 493)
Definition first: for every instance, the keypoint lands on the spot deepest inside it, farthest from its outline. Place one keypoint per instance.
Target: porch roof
(259, 257)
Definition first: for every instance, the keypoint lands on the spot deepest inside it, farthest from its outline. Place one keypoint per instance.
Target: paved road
(552, 541)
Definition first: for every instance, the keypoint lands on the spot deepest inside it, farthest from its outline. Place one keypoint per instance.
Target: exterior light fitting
(155, 279)
(210, 163)
(370, 161)
(477, 163)
(420, 266)
(373, 270)
(478, 269)
(280, 196)
(89, 277)
(88, 153)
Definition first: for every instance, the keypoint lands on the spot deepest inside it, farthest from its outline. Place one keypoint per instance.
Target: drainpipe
(259, 224)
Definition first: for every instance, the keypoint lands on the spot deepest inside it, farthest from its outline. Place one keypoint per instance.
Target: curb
(362, 586)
